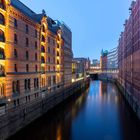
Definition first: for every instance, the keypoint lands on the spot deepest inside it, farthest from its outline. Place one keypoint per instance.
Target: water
(100, 113)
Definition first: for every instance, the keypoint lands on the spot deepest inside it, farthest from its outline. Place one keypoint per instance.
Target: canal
(100, 113)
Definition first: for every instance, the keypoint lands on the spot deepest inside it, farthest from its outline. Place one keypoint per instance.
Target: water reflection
(100, 113)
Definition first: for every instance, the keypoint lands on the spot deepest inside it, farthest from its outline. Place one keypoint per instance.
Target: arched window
(2, 70)
(2, 55)
(2, 20)
(2, 4)
(43, 28)
(43, 38)
(2, 37)
(42, 49)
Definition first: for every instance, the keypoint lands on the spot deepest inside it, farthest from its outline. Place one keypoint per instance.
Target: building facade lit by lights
(31, 53)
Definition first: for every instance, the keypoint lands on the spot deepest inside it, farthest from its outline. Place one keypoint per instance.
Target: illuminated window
(2, 37)
(43, 28)
(1, 90)
(2, 55)
(2, 20)
(2, 70)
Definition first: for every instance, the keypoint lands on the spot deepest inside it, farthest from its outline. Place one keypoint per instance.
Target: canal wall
(133, 102)
(19, 117)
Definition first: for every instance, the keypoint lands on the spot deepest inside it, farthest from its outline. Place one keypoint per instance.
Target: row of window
(27, 68)
(27, 86)
(49, 60)
(26, 41)
(26, 54)
(26, 27)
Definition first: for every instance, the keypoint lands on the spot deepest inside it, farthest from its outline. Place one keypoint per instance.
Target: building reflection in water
(99, 113)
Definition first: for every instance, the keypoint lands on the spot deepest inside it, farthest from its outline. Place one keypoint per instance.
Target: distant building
(103, 60)
(112, 59)
(95, 63)
(67, 51)
(80, 66)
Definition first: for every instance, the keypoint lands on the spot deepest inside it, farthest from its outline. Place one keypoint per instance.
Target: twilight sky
(95, 24)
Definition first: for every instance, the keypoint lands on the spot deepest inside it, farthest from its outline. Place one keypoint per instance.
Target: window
(2, 55)
(42, 49)
(15, 88)
(54, 51)
(57, 45)
(36, 85)
(27, 42)
(2, 70)
(49, 50)
(54, 42)
(27, 55)
(15, 53)
(57, 62)
(36, 33)
(43, 28)
(57, 53)
(42, 59)
(36, 56)
(2, 4)
(35, 44)
(27, 29)
(49, 40)
(36, 68)
(2, 20)
(54, 80)
(1, 90)
(27, 68)
(43, 38)
(15, 67)
(43, 69)
(15, 39)
(2, 37)
(54, 60)
(15, 23)
(27, 84)
(49, 60)
(54, 68)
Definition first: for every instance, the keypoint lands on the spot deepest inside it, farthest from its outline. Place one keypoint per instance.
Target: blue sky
(95, 24)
